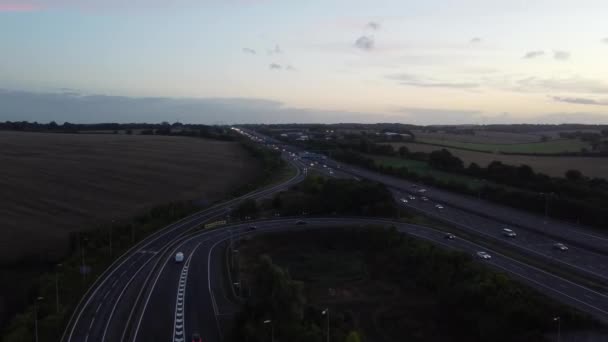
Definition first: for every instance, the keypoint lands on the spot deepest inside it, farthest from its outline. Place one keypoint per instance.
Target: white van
(179, 257)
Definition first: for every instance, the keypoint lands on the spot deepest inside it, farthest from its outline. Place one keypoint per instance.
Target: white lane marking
(201, 215)
(105, 330)
(106, 295)
(179, 323)
(98, 308)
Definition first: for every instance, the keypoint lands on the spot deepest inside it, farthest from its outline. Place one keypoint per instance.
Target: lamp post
(111, 226)
(559, 328)
(36, 318)
(547, 204)
(326, 313)
(57, 286)
(269, 321)
(83, 269)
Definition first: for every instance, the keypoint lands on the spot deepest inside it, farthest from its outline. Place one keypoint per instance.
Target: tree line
(573, 197)
(470, 302)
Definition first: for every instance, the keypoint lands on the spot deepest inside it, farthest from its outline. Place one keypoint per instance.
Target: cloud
(434, 116)
(605, 40)
(372, 25)
(275, 51)
(561, 55)
(46, 107)
(290, 68)
(534, 54)
(475, 40)
(580, 100)
(365, 43)
(425, 82)
(571, 85)
(249, 51)
(275, 66)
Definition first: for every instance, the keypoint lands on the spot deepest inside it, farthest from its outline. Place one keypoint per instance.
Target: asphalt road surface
(109, 311)
(207, 302)
(146, 296)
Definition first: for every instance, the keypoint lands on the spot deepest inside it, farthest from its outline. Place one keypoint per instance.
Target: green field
(547, 147)
(422, 168)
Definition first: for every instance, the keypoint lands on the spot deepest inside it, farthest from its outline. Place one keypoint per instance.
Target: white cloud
(533, 54)
(569, 85)
(580, 100)
(427, 82)
(561, 55)
(249, 51)
(475, 40)
(275, 66)
(372, 25)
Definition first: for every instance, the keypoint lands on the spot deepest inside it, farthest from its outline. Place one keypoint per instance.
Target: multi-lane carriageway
(134, 298)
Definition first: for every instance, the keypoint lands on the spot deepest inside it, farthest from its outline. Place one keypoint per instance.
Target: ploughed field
(53, 184)
(550, 165)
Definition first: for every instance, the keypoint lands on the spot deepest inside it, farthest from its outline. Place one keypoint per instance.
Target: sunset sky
(233, 61)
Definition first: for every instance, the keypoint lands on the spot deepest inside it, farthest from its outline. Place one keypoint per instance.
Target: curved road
(172, 314)
(107, 311)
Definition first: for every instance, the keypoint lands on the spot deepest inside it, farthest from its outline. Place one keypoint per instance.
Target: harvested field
(551, 165)
(56, 183)
(548, 147)
(482, 137)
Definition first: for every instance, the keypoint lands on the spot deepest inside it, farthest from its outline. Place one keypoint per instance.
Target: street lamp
(547, 204)
(111, 226)
(57, 286)
(36, 318)
(269, 321)
(83, 269)
(326, 313)
(559, 327)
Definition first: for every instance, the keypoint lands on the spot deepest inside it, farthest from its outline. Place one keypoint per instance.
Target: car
(411, 197)
(438, 206)
(508, 233)
(449, 236)
(179, 257)
(422, 191)
(300, 222)
(560, 246)
(484, 255)
(424, 199)
(253, 227)
(403, 200)
(196, 337)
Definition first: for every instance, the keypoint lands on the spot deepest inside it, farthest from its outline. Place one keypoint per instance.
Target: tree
(444, 160)
(248, 207)
(403, 151)
(574, 175)
(353, 336)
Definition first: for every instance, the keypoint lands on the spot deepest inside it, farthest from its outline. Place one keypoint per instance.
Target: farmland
(481, 137)
(423, 168)
(53, 184)
(547, 147)
(550, 165)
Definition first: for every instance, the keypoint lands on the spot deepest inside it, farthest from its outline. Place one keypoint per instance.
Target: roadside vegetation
(382, 285)
(555, 166)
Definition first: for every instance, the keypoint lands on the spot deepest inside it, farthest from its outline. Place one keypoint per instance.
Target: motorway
(192, 297)
(145, 296)
(109, 309)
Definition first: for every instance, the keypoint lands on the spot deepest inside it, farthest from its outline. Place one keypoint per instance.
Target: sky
(252, 61)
